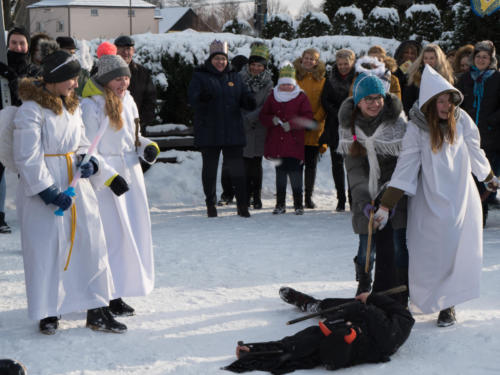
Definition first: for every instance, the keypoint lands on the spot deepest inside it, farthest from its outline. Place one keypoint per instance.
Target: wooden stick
(395, 290)
(369, 242)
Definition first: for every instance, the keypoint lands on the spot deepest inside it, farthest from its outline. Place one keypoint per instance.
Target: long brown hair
(113, 108)
(356, 148)
(443, 67)
(437, 134)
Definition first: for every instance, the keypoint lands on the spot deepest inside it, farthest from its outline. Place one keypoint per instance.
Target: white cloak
(126, 220)
(45, 237)
(444, 232)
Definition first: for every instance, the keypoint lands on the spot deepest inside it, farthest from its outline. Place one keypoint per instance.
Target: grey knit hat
(109, 67)
(489, 47)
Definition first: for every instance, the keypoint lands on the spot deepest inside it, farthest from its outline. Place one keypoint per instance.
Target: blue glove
(90, 168)
(150, 153)
(366, 210)
(63, 201)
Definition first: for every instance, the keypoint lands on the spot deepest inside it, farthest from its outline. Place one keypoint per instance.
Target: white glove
(285, 126)
(380, 218)
(276, 120)
(493, 184)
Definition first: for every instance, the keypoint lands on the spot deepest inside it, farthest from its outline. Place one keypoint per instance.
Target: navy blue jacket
(217, 99)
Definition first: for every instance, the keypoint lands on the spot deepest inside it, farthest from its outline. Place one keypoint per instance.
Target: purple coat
(281, 144)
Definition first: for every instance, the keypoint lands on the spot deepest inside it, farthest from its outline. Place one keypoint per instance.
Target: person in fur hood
(310, 71)
(119, 185)
(440, 152)
(65, 257)
(372, 126)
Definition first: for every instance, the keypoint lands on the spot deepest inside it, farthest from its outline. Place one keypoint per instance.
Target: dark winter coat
(382, 325)
(281, 144)
(217, 99)
(143, 91)
(410, 96)
(403, 77)
(489, 113)
(335, 91)
(358, 167)
(255, 132)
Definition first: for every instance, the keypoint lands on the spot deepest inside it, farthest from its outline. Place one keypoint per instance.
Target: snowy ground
(217, 282)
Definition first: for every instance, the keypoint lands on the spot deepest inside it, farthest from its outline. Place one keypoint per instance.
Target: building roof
(170, 16)
(91, 3)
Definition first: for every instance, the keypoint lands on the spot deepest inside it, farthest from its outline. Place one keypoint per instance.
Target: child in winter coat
(440, 149)
(372, 125)
(124, 205)
(285, 112)
(65, 258)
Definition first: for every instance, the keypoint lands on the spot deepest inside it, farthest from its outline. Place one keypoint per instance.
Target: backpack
(7, 116)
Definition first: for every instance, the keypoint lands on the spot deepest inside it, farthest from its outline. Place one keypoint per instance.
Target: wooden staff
(369, 242)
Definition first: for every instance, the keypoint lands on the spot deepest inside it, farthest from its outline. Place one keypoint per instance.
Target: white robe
(444, 229)
(126, 220)
(45, 237)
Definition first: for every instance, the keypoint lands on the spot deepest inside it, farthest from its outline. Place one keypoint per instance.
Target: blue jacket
(217, 99)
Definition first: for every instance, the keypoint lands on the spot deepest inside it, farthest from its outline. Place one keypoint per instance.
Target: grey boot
(363, 278)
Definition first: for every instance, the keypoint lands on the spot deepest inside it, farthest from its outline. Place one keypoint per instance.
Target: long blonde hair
(436, 132)
(114, 107)
(443, 67)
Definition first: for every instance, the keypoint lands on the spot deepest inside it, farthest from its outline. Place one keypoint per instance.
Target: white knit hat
(109, 67)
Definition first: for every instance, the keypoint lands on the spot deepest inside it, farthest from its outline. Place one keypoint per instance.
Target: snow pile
(321, 17)
(353, 9)
(389, 14)
(424, 8)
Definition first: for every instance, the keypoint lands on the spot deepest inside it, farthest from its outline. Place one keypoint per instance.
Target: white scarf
(286, 96)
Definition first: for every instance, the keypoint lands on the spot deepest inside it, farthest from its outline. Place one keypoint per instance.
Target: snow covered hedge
(348, 21)
(279, 26)
(314, 24)
(422, 22)
(383, 22)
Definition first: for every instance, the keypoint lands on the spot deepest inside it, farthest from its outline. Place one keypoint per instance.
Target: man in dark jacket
(141, 86)
(367, 329)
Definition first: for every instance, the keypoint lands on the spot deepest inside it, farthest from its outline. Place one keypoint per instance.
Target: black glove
(63, 201)
(54, 196)
(90, 168)
(119, 185)
(150, 153)
(205, 97)
(7, 72)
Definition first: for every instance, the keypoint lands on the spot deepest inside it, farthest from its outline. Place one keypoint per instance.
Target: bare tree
(276, 7)
(307, 6)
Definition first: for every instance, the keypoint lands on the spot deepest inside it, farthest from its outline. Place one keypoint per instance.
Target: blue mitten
(90, 168)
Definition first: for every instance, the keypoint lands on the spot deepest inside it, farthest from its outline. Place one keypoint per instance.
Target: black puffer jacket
(143, 91)
(335, 91)
(489, 112)
(217, 99)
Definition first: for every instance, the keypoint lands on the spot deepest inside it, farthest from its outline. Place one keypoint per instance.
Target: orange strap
(69, 165)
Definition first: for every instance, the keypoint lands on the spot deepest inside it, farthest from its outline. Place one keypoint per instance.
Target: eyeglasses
(373, 99)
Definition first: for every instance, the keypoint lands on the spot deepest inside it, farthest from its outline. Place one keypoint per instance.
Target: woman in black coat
(217, 95)
(335, 91)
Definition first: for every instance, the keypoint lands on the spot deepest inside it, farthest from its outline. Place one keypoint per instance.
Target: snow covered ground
(217, 282)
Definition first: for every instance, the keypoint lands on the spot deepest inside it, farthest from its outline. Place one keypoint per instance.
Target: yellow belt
(69, 165)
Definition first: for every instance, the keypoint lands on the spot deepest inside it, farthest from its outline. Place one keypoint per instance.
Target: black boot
(447, 317)
(100, 319)
(363, 278)
(243, 210)
(297, 204)
(280, 204)
(257, 202)
(119, 308)
(11, 367)
(402, 279)
(211, 211)
(49, 325)
(225, 200)
(4, 227)
(303, 301)
(308, 202)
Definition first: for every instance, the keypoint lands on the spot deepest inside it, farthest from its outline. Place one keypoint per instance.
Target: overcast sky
(294, 5)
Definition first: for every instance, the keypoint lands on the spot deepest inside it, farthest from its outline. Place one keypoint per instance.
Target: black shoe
(279, 209)
(211, 211)
(299, 211)
(308, 203)
(257, 204)
(4, 227)
(363, 278)
(119, 308)
(100, 319)
(303, 301)
(340, 207)
(243, 211)
(225, 200)
(447, 317)
(11, 367)
(49, 325)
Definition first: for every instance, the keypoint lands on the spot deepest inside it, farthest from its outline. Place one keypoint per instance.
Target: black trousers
(311, 154)
(292, 168)
(226, 182)
(338, 174)
(253, 170)
(233, 156)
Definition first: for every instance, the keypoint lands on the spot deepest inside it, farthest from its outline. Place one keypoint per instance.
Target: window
(94, 12)
(131, 13)
(59, 26)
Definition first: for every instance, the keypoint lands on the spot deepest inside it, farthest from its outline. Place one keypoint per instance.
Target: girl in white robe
(441, 148)
(124, 205)
(65, 257)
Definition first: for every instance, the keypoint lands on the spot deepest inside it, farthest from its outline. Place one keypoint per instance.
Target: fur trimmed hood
(392, 110)
(33, 89)
(318, 71)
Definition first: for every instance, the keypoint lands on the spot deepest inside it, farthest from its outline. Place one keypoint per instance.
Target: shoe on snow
(299, 211)
(211, 211)
(340, 207)
(225, 200)
(49, 325)
(446, 317)
(303, 301)
(118, 307)
(11, 367)
(100, 319)
(278, 210)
